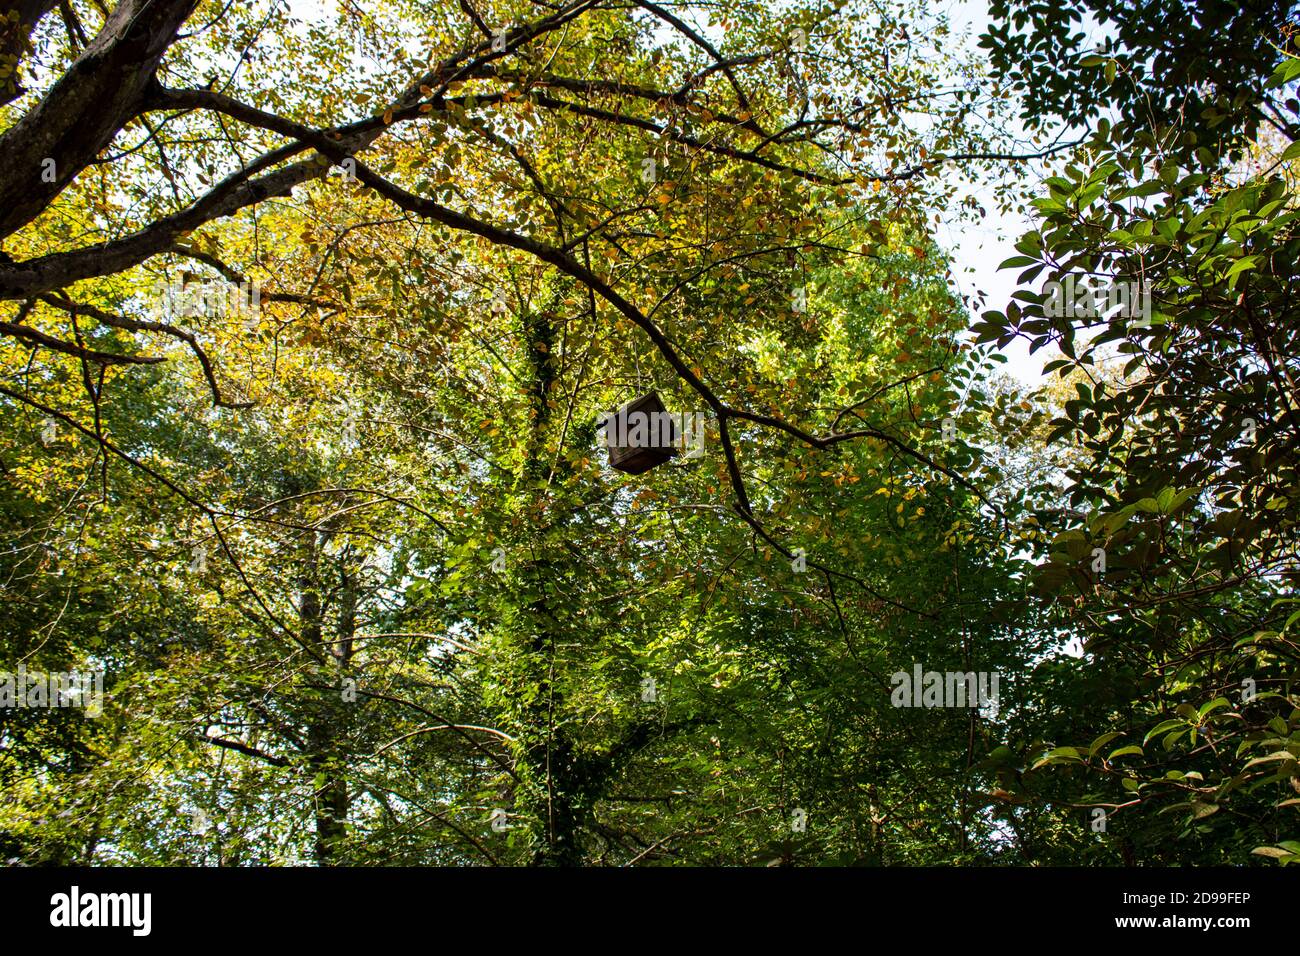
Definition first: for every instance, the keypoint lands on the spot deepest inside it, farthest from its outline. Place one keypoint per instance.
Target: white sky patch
(977, 248)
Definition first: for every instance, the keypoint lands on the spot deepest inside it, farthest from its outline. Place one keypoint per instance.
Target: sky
(976, 248)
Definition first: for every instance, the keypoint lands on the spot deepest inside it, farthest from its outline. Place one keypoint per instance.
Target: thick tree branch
(247, 751)
(46, 149)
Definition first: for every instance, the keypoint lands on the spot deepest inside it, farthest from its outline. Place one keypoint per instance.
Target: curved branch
(138, 325)
(29, 334)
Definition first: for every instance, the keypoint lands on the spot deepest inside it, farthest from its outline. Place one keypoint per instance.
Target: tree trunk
(324, 759)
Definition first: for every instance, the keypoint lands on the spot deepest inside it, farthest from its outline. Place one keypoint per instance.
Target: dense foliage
(309, 317)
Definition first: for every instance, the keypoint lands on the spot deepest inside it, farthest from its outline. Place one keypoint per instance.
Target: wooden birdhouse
(640, 435)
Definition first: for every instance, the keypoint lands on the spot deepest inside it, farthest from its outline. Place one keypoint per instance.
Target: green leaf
(1275, 755)
(1217, 704)
(1102, 741)
(1161, 727)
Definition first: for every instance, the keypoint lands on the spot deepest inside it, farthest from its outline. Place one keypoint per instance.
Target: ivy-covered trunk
(326, 750)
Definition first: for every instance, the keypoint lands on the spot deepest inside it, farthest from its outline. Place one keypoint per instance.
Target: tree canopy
(311, 318)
